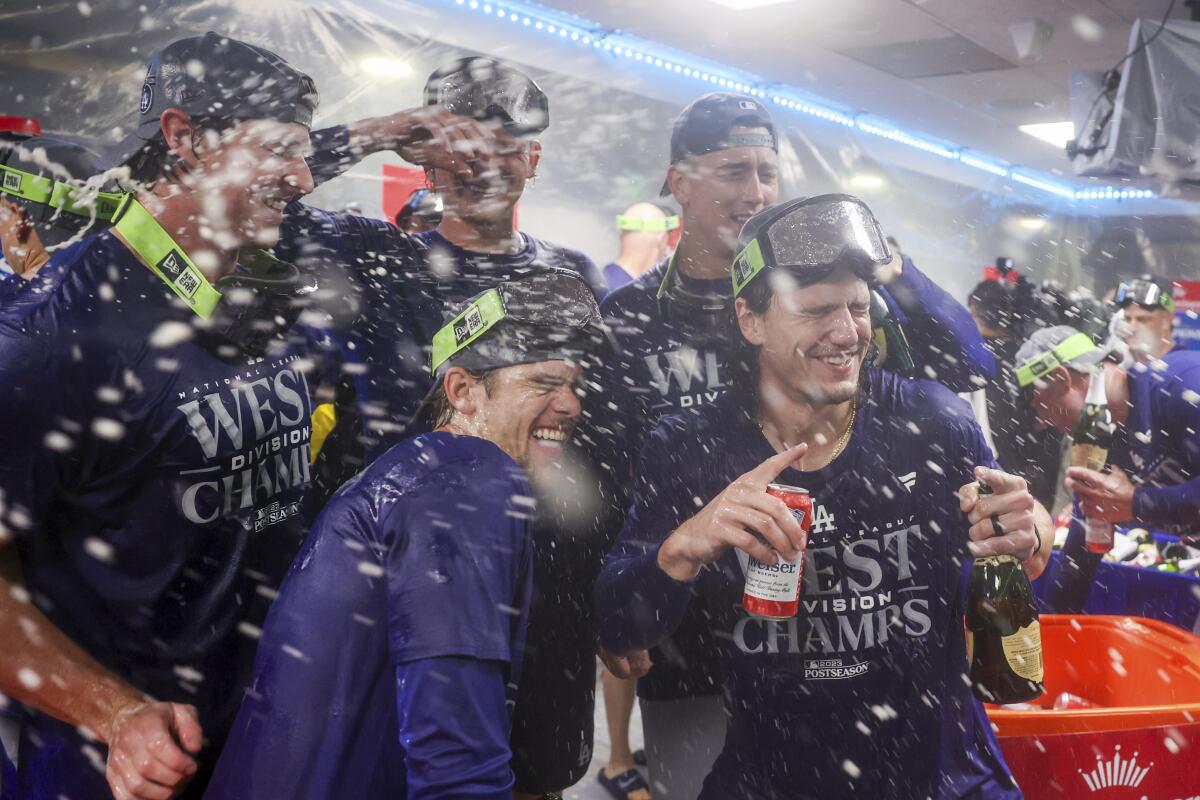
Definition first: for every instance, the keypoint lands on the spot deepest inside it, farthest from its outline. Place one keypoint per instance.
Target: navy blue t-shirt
(661, 369)
(615, 277)
(406, 285)
(865, 692)
(153, 488)
(1159, 448)
(423, 558)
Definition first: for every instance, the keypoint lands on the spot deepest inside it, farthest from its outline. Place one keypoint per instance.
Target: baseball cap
(485, 89)
(48, 177)
(1053, 347)
(217, 76)
(810, 237)
(705, 125)
(547, 315)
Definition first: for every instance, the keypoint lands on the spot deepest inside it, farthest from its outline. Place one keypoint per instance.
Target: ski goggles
(1146, 294)
(484, 89)
(540, 317)
(1069, 349)
(811, 238)
(667, 224)
(75, 199)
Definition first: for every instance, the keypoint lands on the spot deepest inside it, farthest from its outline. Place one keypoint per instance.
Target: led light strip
(586, 33)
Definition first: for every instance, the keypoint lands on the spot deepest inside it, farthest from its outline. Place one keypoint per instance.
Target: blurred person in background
(1153, 479)
(1147, 307)
(1022, 447)
(422, 212)
(138, 397)
(645, 238)
(673, 342)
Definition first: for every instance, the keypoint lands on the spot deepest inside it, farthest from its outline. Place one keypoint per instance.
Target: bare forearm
(41, 667)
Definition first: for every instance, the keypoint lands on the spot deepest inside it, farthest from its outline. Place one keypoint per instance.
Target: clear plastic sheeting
(1154, 127)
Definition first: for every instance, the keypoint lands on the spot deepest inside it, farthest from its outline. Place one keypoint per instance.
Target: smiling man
(406, 611)
(671, 330)
(864, 692)
(140, 396)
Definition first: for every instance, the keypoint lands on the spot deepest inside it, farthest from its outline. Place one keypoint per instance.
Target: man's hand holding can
(743, 516)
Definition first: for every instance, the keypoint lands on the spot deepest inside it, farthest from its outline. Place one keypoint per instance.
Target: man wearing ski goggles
(891, 466)
(1148, 309)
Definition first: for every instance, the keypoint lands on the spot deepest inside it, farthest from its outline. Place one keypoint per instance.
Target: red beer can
(773, 590)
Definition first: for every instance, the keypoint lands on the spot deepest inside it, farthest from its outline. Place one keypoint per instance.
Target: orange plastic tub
(1143, 741)
(1143, 673)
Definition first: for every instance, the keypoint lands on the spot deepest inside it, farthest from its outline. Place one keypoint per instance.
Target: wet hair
(992, 302)
(155, 161)
(745, 369)
(440, 410)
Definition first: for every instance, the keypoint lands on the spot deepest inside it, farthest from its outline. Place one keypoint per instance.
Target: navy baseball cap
(705, 125)
(217, 76)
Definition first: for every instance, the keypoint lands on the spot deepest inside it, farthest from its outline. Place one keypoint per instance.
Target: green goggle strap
(25, 185)
(625, 223)
(748, 263)
(64, 196)
(56, 194)
(158, 250)
(1066, 351)
(474, 321)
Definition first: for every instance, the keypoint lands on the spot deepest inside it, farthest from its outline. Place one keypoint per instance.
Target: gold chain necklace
(845, 437)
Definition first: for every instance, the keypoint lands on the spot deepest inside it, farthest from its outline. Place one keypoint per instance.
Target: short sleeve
(458, 563)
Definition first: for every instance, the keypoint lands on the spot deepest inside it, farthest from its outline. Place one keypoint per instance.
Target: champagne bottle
(1004, 636)
(1089, 448)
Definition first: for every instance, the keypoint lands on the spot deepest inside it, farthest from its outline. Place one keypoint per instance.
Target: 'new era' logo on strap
(12, 182)
(171, 264)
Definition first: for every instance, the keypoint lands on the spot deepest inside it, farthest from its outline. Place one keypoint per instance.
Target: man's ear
(1058, 382)
(180, 135)
(457, 383)
(535, 155)
(751, 324)
(679, 182)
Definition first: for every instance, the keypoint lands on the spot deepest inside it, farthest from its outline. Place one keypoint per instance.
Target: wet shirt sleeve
(457, 566)
(946, 345)
(454, 729)
(637, 604)
(38, 432)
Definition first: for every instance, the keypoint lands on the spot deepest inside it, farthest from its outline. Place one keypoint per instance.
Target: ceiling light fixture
(1055, 133)
(383, 67)
(865, 180)
(744, 5)
(685, 66)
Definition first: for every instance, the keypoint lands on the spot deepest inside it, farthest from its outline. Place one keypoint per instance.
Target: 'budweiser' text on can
(773, 590)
